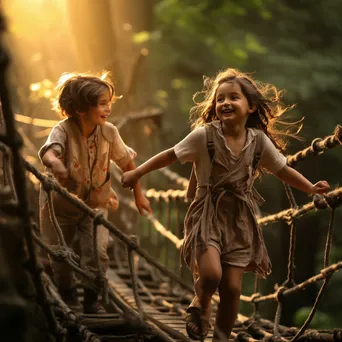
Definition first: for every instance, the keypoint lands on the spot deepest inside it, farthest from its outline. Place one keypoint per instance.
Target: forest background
(158, 52)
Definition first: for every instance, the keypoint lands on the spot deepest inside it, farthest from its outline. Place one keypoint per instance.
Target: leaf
(253, 44)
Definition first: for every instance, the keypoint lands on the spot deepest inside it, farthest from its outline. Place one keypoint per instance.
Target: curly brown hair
(77, 92)
(265, 97)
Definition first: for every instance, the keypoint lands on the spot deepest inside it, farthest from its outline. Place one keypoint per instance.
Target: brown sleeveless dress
(223, 212)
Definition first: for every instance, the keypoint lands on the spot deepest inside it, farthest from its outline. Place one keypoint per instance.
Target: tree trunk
(91, 26)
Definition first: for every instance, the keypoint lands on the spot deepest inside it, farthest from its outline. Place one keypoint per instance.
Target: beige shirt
(193, 148)
(223, 211)
(88, 159)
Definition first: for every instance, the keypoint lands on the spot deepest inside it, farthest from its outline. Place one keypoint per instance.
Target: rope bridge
(60, 318)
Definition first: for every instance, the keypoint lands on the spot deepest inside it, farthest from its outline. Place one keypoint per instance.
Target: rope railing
(175, 177)
(317, 147)
(49, 185)
(319, 202)
(282, 292)
(166, 196)
(12, 139)
(287, 215)
(159, 227)
(331, 200)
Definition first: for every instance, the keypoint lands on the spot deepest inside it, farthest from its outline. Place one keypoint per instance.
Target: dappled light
(126, 277)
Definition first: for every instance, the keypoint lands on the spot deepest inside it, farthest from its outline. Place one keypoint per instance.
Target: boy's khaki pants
(72, 221)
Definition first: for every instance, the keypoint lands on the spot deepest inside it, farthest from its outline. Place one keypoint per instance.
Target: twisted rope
(291, 261)
(317, 147)
(7, 171)
(316, 203)
(325, 263)
(15, 143)
(135, 279)
(292, 213)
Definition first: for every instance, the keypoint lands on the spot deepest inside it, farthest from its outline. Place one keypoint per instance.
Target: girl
(78, 152)
(234, 123)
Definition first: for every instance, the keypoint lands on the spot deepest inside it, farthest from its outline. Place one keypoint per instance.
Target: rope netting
(49, 300)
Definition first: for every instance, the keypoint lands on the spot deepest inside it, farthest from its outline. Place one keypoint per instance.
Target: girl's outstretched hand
(320, 187)
(129, 179)
(142, 204)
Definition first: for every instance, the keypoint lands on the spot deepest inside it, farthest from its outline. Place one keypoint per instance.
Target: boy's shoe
(91, 305)
(70, 298)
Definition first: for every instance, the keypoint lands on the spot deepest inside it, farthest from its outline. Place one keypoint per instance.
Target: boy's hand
(143, 203)
(130, 179)
(320, 187)
(112, 203)
(59, 171)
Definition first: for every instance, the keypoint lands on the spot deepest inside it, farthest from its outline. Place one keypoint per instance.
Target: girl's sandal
(197, 327)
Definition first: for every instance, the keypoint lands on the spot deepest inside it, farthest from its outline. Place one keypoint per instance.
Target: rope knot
(64, 252)
(97, 220)
(288, 218)
(332, 201)
(134, 242)
(279, 293)
(49, 183)
(314, 146)
(318, 202)
(255, 296)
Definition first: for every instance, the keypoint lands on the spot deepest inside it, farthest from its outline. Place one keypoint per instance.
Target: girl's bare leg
(210, 273)
(229, 290)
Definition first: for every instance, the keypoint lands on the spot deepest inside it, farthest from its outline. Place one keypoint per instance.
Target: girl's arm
(140, 200)
(162, 159)
(293, 178)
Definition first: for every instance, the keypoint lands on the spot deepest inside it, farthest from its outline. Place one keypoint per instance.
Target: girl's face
(231, 104)
(98, 115)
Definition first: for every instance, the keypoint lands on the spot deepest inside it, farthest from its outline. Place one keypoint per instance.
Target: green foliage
(294, 45)
(321, 320)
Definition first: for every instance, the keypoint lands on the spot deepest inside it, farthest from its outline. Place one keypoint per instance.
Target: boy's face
(98, 115)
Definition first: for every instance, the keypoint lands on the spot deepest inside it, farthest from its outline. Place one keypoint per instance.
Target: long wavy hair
(265, 97)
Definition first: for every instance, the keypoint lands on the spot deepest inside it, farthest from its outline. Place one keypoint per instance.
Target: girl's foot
(197, 323)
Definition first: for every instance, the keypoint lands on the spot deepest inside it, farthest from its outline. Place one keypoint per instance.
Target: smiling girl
(233, 136)
(78, 152)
